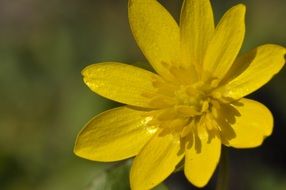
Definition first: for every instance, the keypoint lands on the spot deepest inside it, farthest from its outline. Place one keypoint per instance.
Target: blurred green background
(44, 103)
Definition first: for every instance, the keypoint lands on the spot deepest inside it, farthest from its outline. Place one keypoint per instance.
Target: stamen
(188, 129)
(201, 129)
(167, 114)
(187, 111)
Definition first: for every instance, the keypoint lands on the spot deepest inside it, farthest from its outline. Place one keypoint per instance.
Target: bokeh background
(44, 103)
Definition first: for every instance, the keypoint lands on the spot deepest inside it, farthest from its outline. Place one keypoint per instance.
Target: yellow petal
(225, 44)
(251, 126)
(120, 82)
(200, 165)
(252, 70)
(156, 161)
(156, 32)
(197, 27)
(114, 135)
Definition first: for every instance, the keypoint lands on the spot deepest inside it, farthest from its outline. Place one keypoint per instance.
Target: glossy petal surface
(201, 164)
(225, 44)
(120, 82)
(251, 126)
(253, 69)
(197, 27)
(113, 135)
(156, 33)
(156, 161)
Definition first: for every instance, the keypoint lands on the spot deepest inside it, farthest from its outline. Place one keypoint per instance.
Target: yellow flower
(191, 105)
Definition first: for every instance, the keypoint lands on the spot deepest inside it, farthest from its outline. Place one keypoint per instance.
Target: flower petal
(156, 161)
(225, 44)
(114, 135)
(200, 165)
(252, 70)
(156, 32)
(251, 126)
(120, 82)
(197, 28)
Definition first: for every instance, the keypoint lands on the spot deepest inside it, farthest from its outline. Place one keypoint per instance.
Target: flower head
(192, 104)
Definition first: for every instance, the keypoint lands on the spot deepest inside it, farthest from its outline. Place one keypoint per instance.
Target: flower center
(178, 103)
(191, 100)
(186, 109)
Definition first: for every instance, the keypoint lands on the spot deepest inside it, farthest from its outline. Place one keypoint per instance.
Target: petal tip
(239, 9)
(197, 183)
(241, 6)
(84, 72)
(76, 151)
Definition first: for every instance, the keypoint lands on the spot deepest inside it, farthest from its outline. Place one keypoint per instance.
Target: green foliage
(115, 177)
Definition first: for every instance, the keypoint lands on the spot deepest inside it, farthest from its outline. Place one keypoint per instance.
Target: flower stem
(223, 178)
